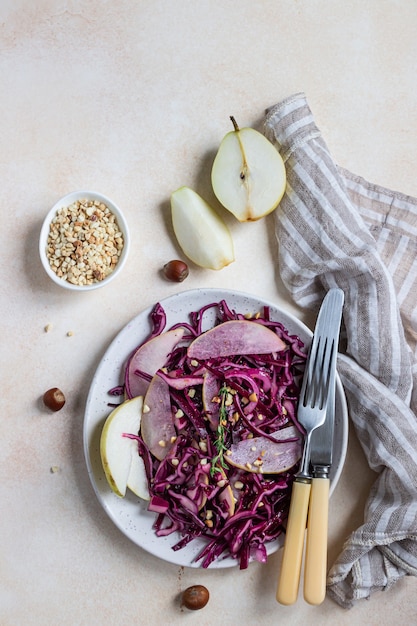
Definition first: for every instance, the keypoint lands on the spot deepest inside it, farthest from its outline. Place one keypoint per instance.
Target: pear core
(248, 174)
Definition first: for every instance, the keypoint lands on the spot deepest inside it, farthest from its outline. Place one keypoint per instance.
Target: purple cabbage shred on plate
(226, 475)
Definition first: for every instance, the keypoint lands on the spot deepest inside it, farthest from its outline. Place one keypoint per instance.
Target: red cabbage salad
(219, 436)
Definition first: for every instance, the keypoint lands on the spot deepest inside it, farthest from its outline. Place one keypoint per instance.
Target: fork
(311, 414)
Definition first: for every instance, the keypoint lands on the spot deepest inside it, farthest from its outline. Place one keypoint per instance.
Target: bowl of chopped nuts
(84, 241)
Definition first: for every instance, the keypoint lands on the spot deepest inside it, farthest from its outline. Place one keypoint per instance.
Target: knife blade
(321, 457)
(327, 326)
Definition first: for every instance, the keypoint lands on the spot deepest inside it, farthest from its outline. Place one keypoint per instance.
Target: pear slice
(197, 493)
(137, 480)
(157, 427)
(235, 337)
(260, 454)
(149, 358)
(200, 231)
(248, 174)
(123, 467)
(210, 391)
(226, 495)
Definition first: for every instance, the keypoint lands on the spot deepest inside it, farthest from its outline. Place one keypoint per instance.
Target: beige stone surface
(131, 98)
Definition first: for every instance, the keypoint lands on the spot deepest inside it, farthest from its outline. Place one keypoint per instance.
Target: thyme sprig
(219, 442)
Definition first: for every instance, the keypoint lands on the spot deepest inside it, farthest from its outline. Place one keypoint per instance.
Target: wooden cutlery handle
(315, 568)
(289, 578)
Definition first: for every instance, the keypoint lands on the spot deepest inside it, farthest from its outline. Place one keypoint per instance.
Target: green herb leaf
(219, 442)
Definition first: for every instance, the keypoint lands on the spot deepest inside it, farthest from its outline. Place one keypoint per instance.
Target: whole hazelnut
(176, 270)
(195, 597)
(54, 399)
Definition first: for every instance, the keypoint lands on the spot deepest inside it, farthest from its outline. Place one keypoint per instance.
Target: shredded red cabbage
(194, 491)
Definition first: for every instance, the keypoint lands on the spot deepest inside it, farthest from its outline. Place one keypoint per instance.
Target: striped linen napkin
(335, 229)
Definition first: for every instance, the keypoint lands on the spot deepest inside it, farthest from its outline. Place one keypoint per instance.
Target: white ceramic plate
(129, 513)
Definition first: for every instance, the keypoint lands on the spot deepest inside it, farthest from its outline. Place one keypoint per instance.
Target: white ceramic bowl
(67, 201)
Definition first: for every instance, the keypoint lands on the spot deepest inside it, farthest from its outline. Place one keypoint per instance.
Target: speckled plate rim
(129, 514)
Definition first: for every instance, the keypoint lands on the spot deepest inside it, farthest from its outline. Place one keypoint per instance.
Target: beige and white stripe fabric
(336, 229)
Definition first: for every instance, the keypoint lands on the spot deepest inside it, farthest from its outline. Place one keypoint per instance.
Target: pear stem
(236, 127)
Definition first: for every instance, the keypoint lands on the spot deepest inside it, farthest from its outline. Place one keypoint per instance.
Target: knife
(327, 328)
(315, 569)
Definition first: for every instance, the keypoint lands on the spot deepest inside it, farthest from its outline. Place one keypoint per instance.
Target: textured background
(132, 98)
